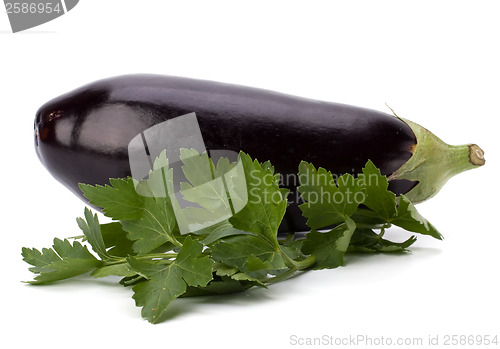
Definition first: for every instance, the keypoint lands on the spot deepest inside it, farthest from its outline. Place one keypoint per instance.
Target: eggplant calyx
(433, 163)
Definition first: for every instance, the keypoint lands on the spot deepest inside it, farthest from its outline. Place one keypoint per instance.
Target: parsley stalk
(164, 257)
(296, 265)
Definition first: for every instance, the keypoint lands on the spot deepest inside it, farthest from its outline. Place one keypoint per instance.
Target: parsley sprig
(232, 241)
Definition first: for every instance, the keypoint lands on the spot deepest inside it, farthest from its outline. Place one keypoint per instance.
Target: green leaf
(169, 281)
(159, 180)
(118, 200)
(92, 231)
(327, 202)
(292, 248)
(223, 167)
(368, 217)
(196, 269)
(211, 197)
(384, 208)
(155, 226)
(366, 240)
(221, 286)
(378, 197)
(218, 231)
(222, 269)
(149, 220)
(266, 204)
(408, 218)
(60, 262)
(155, 294)
(197, 168)
(249, 254)
(122, 269)
(115, 240)
(329, 247)
(218, 191)
(209, 188)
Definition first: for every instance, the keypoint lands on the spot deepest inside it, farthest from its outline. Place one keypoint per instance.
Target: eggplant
(83, 136)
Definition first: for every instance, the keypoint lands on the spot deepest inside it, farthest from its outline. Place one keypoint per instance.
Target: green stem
(305, 263)
(433, 163)
(77, 237)
(298, 265)
(280, 277)
(142, 257)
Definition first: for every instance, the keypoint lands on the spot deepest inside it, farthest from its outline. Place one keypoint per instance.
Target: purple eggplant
(83, 135)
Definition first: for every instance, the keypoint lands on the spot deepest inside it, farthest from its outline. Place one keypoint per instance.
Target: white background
(436, 63)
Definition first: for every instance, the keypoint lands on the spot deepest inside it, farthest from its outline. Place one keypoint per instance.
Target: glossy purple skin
(82, 136)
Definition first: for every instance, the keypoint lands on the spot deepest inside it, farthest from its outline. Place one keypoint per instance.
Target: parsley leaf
(144, 213)
(378, 198)
(155, 226)
(330, 247)
(227, 240)
(353, 205)
(366, 240)
(165, 282)
(115, 239)
(121, 269)
(327, 202)
(62, 261)
(384, 205)
(266, 206)
(204, 188)
(248, 253)
(218, 231)
(410, 219)
(92, 231)
(118, 200)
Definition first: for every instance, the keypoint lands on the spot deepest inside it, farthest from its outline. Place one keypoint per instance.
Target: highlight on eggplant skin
(83, 135)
